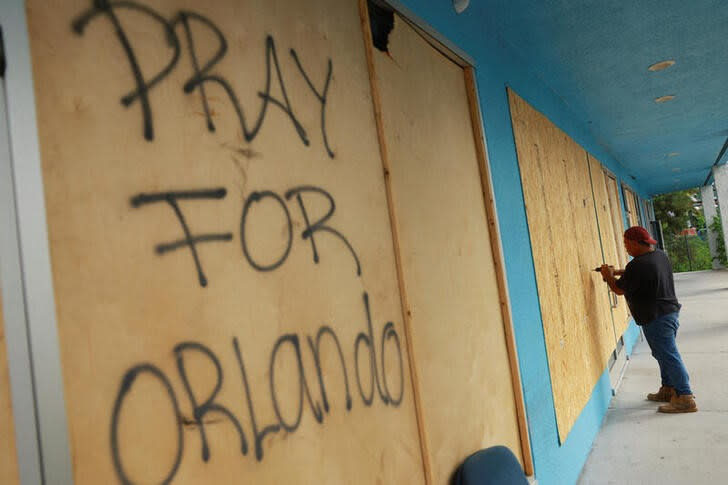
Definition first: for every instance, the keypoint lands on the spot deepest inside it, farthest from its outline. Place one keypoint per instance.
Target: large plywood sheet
(227, 296)
(447, 260)
(8, 455)
(566, 248)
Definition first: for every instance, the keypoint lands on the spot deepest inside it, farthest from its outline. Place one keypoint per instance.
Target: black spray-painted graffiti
(318, 405)
(191, 241)
(204, 75)
(289, 406)
(171, 198)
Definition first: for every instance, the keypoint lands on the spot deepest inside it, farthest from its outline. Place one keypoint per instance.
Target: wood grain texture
(566, 245)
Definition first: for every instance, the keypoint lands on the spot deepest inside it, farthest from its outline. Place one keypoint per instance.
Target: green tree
(675, 209)
(687, 253)
(717, 228)
(697, 219)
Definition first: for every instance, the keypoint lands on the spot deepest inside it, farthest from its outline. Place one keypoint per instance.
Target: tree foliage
(717, 227)
(675, 209)
(687, 253)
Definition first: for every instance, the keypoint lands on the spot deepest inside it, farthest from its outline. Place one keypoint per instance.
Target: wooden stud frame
(491, 212)
(493, 226)
(377, 106)
(489, 198)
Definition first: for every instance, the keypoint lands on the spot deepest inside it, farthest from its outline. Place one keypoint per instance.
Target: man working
(648, 286)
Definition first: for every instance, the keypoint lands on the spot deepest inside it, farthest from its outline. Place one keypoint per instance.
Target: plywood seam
(376, 104)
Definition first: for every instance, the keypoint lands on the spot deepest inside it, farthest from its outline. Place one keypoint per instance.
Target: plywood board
(632, 211)
(611, 230)
(617, 219)
(8, 455)
(227, 296)
(447, 260)
(566, 248)
(645, 207)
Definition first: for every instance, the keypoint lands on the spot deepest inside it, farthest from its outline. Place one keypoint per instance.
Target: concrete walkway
(637, 445)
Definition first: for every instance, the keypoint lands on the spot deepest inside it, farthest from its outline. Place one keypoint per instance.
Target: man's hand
(607, 272)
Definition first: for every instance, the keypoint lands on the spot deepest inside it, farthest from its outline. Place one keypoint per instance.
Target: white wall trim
(31, 284)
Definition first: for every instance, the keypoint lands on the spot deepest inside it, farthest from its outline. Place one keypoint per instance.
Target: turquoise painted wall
(497, 67)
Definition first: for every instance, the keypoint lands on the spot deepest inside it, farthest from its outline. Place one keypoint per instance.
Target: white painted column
(709, 210)
(720, 175)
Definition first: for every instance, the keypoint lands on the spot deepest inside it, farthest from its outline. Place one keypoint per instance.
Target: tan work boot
(680, 404)
(663, 395)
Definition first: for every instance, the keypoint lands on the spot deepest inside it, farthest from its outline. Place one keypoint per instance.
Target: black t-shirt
(649, 287)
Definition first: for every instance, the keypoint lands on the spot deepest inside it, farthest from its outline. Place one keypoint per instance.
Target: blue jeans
(660, 334)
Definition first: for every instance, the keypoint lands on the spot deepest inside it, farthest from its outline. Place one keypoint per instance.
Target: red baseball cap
(639, 234)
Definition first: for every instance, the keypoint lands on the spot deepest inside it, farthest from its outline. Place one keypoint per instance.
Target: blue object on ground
(496, 465)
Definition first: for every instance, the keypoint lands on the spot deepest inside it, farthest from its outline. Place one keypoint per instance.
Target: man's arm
(608, 273)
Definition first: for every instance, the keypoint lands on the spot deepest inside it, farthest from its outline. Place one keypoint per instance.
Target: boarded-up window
(632, 205)
(448, 265)
(566, 242)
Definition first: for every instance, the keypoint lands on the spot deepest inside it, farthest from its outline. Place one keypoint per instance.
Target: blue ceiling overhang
(595, 56)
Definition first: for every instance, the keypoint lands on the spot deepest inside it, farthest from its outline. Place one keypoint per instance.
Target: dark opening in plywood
(381, 21)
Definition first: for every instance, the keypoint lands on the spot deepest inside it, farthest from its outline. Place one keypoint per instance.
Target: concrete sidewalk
(637, 445)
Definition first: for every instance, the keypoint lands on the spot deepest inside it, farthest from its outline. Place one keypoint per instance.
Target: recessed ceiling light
(659, 66)
(460, 5)
(664, 99)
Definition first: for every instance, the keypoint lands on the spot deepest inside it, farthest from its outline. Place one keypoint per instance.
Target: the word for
(204, 72)
(202, 406)
(191, 240)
